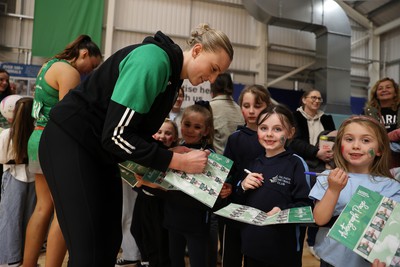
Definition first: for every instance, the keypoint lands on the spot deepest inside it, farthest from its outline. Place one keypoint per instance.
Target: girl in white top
(18, 188)
(362, 157)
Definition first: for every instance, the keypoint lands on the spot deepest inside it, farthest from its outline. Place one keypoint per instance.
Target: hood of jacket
(308, 117)
(174, 52)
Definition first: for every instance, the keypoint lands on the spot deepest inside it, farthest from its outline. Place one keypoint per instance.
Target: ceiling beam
(293, 72)
(355, 15)
(384, 7)
(387, 27)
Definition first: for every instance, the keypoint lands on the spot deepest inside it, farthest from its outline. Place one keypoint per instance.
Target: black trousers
(198, 247)
(148, 231)
(87, 194)
(232, 251)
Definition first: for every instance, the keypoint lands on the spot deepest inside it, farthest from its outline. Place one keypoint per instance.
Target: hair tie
(202, 103)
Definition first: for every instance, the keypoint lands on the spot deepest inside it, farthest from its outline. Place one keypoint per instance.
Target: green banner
(59, 22)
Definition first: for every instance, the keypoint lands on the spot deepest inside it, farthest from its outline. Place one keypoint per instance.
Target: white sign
(195, 93)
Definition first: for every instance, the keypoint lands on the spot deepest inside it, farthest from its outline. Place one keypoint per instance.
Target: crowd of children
(276, 181)
(266, 174)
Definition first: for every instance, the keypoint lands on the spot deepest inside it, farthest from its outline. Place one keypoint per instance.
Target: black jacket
(301, 143)
(107, 122)
(285, 186)
(242, 147)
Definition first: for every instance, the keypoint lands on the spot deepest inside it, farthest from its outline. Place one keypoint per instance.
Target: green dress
(45, 99)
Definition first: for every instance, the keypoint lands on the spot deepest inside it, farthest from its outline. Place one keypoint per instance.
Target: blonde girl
(187, 220)
(151, 237)
(362, 157)
(167, 134)
(197, 127)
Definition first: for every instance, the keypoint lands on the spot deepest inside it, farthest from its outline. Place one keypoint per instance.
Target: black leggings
(198, 247)
(148, 231)
(232, 251)
(87, 194)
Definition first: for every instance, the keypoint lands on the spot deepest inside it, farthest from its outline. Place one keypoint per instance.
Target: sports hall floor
(308, 259)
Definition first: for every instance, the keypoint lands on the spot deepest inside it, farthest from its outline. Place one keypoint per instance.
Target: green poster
(205, 187)
(369, 225)
(356, 215)
(250, 215)
(59, 22)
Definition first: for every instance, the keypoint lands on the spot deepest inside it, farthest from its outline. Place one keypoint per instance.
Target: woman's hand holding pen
(252, 181)
(189, 160)
(337, 180)
(193, 161)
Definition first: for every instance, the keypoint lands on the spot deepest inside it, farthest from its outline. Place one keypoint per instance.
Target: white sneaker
(312, 251)
(120, 262)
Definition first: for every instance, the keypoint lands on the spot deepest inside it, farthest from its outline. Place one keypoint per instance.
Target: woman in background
(227, 114)
(5, 90)
(310, 122)
(383, 105)
(55, 79)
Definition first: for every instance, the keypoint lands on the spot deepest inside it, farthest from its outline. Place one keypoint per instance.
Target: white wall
(287, 49)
